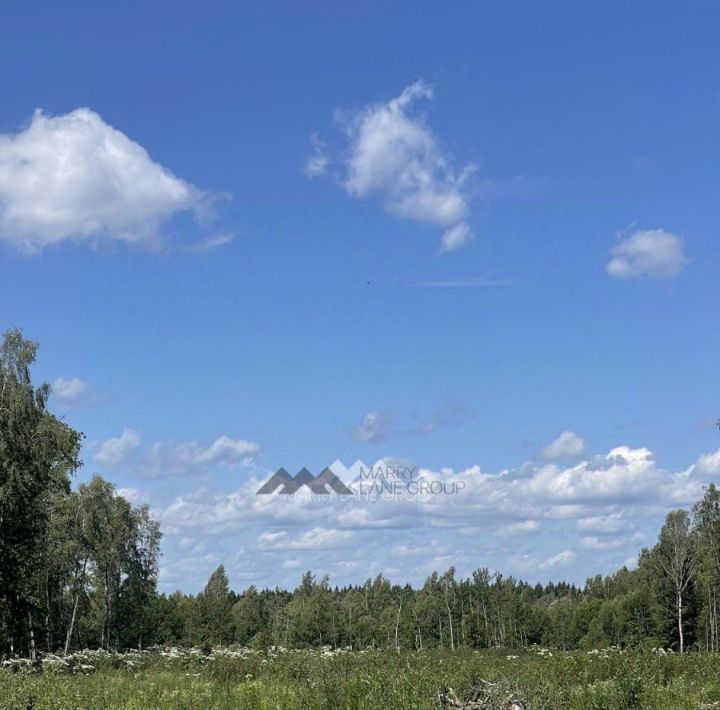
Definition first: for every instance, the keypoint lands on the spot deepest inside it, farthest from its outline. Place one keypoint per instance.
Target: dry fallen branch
(483, 696)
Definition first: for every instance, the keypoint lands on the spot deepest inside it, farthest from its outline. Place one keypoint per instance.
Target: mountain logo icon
(289, 485)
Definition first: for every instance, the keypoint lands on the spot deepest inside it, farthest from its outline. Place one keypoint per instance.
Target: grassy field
(374, 680)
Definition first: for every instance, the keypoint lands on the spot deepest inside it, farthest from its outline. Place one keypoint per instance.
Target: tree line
(669, 601)
(78, 568)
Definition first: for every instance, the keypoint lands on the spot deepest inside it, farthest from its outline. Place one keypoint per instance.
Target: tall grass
(312, 680)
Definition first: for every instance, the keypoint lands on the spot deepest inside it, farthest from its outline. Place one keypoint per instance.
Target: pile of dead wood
(482, 696)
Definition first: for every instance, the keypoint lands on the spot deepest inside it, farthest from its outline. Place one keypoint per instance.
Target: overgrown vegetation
(327, 680)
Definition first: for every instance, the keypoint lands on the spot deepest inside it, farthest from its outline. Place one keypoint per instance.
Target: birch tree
(674, 556)
(38, 452)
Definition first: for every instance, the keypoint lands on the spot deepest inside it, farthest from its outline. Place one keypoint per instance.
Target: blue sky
(259, 236)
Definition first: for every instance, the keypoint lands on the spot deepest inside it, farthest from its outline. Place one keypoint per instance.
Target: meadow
(367, 680)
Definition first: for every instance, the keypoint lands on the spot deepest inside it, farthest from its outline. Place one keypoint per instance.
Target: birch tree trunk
(76, 600)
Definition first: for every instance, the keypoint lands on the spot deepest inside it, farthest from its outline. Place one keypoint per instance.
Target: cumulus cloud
(73, 392)
(393, 155)
(173, 458)
(592, 492)
(76, 178)
(652, 253)
(624, 473)
(567, 445)
(117, 450)
(609, 505)
(707, 465)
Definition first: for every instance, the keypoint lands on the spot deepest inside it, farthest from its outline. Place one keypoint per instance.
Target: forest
(79, 569)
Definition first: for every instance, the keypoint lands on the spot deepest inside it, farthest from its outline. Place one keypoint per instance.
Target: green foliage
(75, 566)
(38, 453)
(213, 610)
(323, 680)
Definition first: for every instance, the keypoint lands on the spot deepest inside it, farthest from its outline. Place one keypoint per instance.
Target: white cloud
(523, 528)
(423, 549)
(310, 540)
(392, 154)
(456, 237)
(115, 451)
(592, 542)
(318, 161)
(223, 450)
(192, 544)
(603, 524)
(211, 244)
(562, 559)
(375, 427)
(708, 465)
(631, 562)
(470, 282)
(176, 572)
(379, 426)
(132, 495)
(76, 178)
(73, 392)
(623, 473)
(603, 508)
(593, 492)
(652, 253)
(449, 416)
(172, 458)
(567, 445)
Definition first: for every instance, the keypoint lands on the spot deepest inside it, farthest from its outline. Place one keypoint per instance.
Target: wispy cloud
(394, 155)
(379, 426)
(468, 282)
(449, 416)
(318, 160)
(210, 244)
(375, 427)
